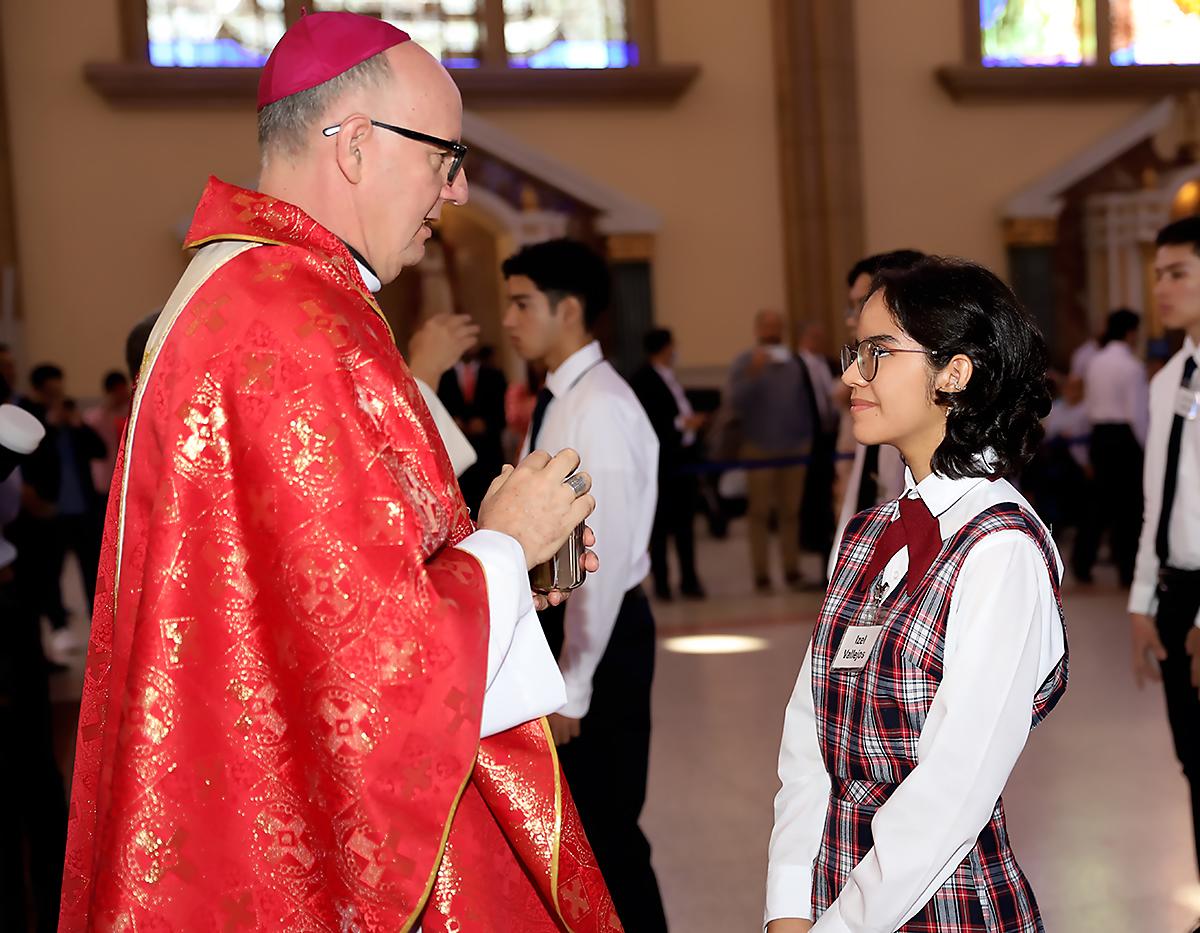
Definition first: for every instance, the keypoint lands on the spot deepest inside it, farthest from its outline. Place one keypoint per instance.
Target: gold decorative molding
(631, 247)
(1030, 231)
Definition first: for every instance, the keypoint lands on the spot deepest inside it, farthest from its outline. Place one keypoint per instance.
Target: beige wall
(936, 174)
(99, 189)
(709, 165)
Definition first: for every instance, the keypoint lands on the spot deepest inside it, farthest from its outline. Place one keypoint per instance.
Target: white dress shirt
(821, 378)
(1082, 357)
(1116, 390)
(1003, 639)
(1184, 531)
(595, 413)
(523, 680)
(461, 369)
(667, 375)
(1071, 424)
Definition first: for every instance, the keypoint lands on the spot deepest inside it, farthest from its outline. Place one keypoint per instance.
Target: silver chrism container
(564, 571)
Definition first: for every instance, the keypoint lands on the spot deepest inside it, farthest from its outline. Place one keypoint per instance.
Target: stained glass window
(537, 33)
(567, 34)
(1037, 32)
(449, 29)
(192, 33)
(1155, 32)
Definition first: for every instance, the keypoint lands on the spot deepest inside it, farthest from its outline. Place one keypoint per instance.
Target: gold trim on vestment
(437, 862)
(246, 237)
(184, 292)
(557, 822)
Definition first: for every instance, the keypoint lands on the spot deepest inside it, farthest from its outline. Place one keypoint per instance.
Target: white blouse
(1004, 637)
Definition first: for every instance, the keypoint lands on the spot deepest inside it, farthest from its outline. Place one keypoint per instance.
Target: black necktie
(1162, 541)
(539, 412)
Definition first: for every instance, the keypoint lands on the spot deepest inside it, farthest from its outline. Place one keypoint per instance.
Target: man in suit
(676, 425)
(473, 392)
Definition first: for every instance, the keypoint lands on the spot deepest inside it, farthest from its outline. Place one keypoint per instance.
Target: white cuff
(1143, 598)
(508, 596)
(579, 696)
(789, 893)
(528, 685)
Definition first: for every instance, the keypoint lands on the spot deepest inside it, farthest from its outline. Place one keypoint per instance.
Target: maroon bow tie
(917, 530)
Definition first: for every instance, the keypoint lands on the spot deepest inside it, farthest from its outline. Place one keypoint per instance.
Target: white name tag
(1187, 403)
(856, 647)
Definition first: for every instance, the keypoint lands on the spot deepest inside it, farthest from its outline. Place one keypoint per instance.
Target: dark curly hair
(952, 306)
(564, 267)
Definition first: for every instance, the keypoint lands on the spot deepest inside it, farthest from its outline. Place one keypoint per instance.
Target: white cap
(20, 432)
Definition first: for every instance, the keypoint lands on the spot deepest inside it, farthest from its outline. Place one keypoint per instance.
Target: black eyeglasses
(456, 151)
(866, 354)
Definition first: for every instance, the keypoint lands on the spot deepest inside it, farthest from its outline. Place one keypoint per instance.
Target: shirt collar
(370, 279)
(938, 492)
(574, 366)
(1191, 348)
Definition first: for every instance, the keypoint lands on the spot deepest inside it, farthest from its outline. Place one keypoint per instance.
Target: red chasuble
(281, 712)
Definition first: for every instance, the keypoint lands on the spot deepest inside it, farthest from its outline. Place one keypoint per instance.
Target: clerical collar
(364, 268)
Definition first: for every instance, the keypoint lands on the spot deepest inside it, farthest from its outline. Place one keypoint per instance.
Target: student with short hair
(604, 638)
(1164, 602)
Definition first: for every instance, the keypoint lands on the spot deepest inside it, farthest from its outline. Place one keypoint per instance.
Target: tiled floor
(1096, 808)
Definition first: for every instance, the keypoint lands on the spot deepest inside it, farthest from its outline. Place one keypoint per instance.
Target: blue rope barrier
(723, 466)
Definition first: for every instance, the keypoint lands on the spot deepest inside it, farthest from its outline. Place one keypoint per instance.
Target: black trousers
(43, 545)
(674, 517)
(33, 816)
(606, 765)
(478, 477)
(817, 521)
(1117, 463)
(1178, 603)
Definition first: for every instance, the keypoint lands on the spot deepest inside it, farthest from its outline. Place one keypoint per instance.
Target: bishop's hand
(532, 504)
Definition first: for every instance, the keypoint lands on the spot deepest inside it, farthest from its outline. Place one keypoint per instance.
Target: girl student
(941, 640)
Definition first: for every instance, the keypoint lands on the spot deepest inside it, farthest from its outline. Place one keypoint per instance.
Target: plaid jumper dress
(869, 722)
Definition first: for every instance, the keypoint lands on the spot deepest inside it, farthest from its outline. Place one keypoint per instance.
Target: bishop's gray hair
(288, 125)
